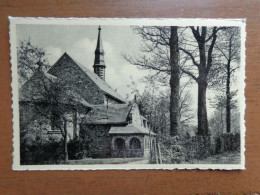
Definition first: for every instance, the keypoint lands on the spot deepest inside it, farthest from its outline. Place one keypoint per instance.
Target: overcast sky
(79, 41)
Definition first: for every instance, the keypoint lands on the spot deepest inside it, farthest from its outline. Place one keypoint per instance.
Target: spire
(99, 62)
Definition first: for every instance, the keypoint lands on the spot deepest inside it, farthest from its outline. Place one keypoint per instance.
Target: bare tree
(229, 47)
(49, 96)
(28, 56)
(199, 50)
(160, 51)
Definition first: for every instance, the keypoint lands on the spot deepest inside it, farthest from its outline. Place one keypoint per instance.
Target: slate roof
(114, 114)
(129, 129)
(70, 96)
(103, 85)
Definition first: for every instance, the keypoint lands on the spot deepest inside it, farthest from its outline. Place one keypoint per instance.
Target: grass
(224, 158)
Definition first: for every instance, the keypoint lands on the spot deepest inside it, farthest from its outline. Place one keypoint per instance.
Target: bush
(75, 150)
(227, 142)
(40, 150)
(196, 148)
(171, 150)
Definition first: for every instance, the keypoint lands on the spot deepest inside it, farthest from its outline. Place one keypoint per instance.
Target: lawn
(224, 158)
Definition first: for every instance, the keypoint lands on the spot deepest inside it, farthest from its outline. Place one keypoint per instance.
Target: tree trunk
(202, 107)
(66, 155)
(228, 100)
(174, 82)
(75, 124)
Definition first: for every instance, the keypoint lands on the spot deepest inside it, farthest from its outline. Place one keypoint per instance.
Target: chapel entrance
(135, 143)
(135, 149)
(119, 146)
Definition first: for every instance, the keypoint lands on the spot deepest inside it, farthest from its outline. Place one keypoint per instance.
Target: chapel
(111, 127)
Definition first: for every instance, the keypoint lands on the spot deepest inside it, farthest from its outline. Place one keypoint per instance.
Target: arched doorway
(135, 143)
(119, 144)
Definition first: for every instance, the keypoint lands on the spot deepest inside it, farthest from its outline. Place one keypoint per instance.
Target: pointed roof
(103, 85)
(99, 52)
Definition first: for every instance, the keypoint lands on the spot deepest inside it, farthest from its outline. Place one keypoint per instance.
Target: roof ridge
(88, 71)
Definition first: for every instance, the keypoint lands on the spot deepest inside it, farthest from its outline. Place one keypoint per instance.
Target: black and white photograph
(105, 93)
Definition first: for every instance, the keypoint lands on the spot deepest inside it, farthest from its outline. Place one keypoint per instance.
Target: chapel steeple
(99, 62)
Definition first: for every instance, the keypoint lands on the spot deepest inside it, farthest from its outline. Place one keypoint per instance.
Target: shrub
(227, 142)
(171, 150)
(75, 150)
(40, 150)
(196, 148)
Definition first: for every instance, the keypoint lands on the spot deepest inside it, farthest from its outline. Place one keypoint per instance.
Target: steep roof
(129, 129)
(113, 114)
(99, 52)
(103, 85)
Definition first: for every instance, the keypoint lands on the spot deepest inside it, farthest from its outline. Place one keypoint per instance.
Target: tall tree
(161, 54)
(174, 82)
(229, 47)
(200, 55)
(28, 56)
(49, 96)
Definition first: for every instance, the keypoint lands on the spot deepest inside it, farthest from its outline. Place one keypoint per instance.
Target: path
(109, 161)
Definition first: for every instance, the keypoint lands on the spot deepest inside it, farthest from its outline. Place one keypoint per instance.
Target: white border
(123, 21)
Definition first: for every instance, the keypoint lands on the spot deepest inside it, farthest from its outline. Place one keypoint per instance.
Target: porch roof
(129, 129)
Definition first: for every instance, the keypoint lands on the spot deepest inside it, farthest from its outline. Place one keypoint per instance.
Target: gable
(59, 68)
(75, 78)
(33, 89)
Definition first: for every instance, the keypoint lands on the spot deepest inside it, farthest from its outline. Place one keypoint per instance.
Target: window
(144, 123)
(130, 121)
(55, 119)
(119, 144)
(135, 143)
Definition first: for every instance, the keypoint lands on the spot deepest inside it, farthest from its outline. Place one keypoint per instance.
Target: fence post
(159, 151)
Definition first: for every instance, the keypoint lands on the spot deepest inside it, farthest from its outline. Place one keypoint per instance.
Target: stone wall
(96, 141)
(127, 152)
(76, 78)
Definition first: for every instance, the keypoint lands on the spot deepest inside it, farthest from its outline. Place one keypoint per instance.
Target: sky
(79, 41)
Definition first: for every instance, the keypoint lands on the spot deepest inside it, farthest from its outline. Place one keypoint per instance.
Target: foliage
(172, 150)
(65, 105)
(227, 142)
(75, 149)
(176, 150)
(40, 148)
(196, 148)
(29, 56)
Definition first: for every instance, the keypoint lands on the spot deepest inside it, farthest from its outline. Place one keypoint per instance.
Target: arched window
(119, 144)
(135, 143)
